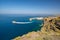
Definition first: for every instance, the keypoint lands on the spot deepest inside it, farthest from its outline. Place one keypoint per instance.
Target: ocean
(9, 30)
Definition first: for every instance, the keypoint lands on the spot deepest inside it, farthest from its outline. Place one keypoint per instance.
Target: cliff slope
(49, 31)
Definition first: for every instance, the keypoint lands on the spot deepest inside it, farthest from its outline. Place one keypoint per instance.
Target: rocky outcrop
(49, 31)
(51, 25)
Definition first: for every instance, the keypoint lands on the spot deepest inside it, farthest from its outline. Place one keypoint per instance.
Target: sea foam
(37, 18)
(20, 22)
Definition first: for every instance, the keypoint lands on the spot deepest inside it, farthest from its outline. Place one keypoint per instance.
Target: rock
(49, 31)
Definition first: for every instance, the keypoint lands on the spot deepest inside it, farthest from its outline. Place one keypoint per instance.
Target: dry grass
(49, 31)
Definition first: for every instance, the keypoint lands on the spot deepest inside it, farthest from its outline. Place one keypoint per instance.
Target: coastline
(49, 31)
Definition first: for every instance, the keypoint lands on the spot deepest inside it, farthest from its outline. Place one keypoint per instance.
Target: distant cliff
(49, 31)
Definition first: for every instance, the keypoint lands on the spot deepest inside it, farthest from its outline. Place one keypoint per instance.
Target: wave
(37, 18)
(20, 22)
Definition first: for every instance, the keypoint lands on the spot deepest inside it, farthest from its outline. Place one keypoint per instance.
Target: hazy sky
(29, 6)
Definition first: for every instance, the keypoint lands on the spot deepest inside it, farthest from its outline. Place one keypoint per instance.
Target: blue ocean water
(8, 30)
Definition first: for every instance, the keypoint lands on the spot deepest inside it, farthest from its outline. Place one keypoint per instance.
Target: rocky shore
(49, 31)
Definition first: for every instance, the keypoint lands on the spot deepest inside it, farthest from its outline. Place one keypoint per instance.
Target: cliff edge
(49, 31)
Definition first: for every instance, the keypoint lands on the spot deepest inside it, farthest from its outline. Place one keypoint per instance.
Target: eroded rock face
(49, 31)
(51, 24)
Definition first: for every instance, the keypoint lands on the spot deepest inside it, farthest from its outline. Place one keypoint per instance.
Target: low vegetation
(49, 31)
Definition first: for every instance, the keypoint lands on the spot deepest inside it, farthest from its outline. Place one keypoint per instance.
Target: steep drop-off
(49, 31)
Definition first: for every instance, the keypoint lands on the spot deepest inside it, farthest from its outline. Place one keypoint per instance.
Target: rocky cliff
(49, 31)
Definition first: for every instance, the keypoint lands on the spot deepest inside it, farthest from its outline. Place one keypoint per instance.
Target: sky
(30, 6)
